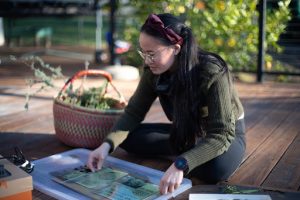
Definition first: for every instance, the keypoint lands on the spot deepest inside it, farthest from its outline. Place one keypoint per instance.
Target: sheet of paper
(100, 179)
(229, 197)
(130, 188)
(107, 183)
(69, 174)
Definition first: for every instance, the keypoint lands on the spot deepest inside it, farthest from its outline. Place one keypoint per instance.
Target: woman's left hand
(171, 180)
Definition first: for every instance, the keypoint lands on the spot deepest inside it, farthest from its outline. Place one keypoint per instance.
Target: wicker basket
(79, 126)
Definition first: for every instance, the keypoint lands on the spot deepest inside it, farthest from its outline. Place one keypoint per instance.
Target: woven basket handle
(96, 73)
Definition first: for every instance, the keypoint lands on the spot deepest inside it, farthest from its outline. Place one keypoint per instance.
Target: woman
(196, 93)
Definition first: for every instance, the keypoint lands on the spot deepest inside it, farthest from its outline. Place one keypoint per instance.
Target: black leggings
(153, 140)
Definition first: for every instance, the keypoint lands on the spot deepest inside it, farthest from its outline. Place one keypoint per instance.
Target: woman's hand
(97, 157)
(171, 180)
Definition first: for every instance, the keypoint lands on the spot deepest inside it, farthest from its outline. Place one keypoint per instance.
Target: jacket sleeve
(135, 112)
(220, 130)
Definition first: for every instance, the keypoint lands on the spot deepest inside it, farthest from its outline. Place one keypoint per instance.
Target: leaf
(234, 190)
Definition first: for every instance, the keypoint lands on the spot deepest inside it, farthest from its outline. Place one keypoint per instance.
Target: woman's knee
(219, 168)
(211, 174)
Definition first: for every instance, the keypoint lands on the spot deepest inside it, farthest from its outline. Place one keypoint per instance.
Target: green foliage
(44, 75)
(229, 189)
(66, 30)
(229, 28)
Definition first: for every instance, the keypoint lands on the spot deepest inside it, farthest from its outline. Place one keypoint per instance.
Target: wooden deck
(272, 114)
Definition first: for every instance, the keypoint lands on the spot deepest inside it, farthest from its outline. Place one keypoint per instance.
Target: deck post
(99, 26)
(112, 31)
(261, 40)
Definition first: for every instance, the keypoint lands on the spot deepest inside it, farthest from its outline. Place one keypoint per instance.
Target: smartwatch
(181, 164)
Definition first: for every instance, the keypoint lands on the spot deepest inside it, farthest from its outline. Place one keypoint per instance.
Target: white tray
(42, 179)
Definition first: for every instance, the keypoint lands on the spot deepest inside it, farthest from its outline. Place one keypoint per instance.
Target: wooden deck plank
(257, 135)
(260, 99)
(37, 195)
(24, 120)
(30, 143)
(256, 110)
(261, 162)
(20, 114)
(156, 114)
(286, 174)
(11, 105)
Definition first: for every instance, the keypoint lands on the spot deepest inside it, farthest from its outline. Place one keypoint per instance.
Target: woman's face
(157, 56)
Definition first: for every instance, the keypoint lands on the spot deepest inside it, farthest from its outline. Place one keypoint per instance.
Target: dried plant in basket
(94, 97)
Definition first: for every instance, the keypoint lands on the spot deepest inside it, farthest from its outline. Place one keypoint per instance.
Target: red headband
(154, 22)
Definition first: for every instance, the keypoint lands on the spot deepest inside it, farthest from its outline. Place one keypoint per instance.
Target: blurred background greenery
(229, 28)
(226, 27)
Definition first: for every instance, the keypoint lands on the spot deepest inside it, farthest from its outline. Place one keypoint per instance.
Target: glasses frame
(151, 56)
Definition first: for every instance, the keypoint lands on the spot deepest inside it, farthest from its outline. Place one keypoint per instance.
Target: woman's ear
(177, 48)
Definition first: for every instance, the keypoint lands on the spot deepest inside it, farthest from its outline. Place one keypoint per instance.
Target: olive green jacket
(222, 108)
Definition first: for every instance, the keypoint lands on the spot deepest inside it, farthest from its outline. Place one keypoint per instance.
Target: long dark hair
(187, 121)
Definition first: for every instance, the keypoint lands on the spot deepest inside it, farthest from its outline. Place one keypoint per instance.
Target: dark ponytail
(186, 125)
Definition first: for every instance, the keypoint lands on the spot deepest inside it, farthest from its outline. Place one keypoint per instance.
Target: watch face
(181, 163)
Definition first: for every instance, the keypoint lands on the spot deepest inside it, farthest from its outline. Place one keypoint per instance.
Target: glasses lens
(151, 57)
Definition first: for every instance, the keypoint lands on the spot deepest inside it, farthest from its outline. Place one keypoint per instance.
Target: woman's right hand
(97, 157)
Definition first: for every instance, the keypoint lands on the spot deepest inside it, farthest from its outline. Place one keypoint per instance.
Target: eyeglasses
(150, 56)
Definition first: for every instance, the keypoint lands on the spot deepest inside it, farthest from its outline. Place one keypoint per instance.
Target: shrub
(229, 28)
